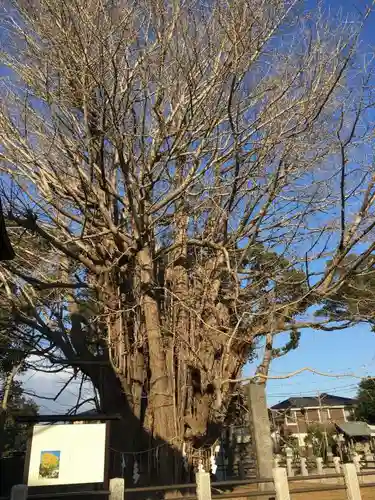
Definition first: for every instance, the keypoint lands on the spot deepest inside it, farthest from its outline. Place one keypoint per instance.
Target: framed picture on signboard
(67, 454)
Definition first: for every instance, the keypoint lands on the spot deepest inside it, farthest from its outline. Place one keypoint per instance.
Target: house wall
(337, 414)
(301, 422)
(296, 422)
(312, 415)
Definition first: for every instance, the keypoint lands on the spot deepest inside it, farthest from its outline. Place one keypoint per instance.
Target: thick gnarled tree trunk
(172, 381)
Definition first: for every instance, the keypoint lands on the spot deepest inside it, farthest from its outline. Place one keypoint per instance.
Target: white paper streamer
(136, 475)
(213, 464)
(185, 458)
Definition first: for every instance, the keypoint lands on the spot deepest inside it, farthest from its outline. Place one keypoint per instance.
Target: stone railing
(312, 466)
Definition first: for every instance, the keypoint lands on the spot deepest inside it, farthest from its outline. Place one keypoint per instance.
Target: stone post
(281, 483)
(357, 462)
(369, 457)
(19, 492)
(336, 463)
(117, 488)
(260, 429)
(304, 471)
(203, 485)
(353, 491)
(319, 466)
(289, 467)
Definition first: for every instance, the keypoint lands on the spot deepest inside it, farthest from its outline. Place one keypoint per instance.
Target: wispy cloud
(56, 392)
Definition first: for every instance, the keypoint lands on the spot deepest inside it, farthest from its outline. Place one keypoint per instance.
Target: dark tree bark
(6, 249)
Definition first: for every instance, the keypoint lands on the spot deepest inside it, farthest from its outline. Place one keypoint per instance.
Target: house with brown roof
(295, 415)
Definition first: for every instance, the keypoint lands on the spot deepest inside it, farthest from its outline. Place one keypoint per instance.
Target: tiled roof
(355, 429)
(308, 402)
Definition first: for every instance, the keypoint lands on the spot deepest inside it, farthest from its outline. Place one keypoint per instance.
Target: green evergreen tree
(354, 300)
(14, 349)
(365, 410)
(16, 435)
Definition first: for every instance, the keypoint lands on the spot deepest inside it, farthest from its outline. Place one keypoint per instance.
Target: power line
(332, 390)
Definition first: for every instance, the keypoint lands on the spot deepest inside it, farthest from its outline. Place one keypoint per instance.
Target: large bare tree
(175, 176)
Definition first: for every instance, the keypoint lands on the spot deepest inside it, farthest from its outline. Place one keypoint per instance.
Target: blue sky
(344, 351)
(341, 352)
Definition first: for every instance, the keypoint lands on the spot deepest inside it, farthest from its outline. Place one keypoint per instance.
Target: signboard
(67, 454)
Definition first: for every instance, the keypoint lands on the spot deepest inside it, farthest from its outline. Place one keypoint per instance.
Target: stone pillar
(260, 429)
(289, 467)
(304, 471)
(19, 492)
(281, 483)
(357, 462)
(117, 488)
(353, 491)
(203, 485)
(336, 463)
(369, 457)
(319, 466)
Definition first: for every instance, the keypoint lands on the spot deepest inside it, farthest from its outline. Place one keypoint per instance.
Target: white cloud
(43, 385)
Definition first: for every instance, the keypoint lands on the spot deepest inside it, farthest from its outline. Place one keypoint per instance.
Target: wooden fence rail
(277, 487)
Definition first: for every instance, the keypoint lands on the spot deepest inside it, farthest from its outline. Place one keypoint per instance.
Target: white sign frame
(72, 454)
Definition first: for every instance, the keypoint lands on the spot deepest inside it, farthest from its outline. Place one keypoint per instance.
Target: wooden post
(203, 485)
(280, 479)
(19, 492)
(351, 482)
(117, 488)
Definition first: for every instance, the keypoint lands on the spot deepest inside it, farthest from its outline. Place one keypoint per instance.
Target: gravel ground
(367, 493)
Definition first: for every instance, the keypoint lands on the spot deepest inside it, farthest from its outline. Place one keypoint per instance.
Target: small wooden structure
(357, 435)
